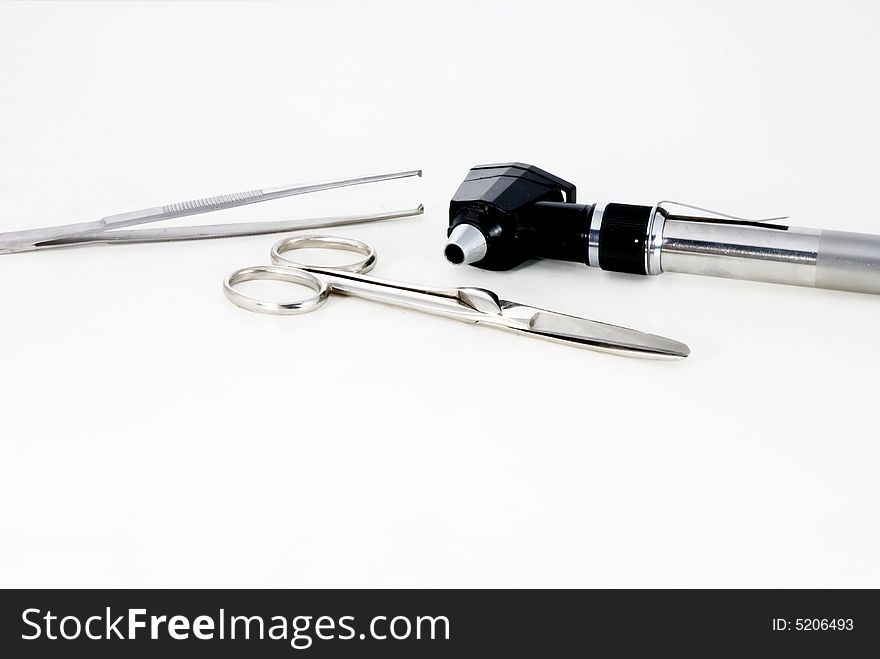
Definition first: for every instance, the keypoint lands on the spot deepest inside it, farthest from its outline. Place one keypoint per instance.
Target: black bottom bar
(419, 623)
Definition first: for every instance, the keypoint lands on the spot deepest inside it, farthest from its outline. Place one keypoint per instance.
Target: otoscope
(503, 215)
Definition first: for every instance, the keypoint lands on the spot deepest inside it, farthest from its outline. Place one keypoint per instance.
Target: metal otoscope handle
(779, 254)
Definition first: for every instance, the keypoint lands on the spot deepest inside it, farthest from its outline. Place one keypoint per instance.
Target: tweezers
(107, 229)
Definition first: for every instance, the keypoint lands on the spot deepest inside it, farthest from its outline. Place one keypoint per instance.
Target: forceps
(106, 230)
(473, 305)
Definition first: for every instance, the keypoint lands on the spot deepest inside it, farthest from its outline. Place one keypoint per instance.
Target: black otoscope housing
(503, 215)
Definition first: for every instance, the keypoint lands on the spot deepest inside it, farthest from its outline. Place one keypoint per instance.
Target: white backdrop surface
(155, 435)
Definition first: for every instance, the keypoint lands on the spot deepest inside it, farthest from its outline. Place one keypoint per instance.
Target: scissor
(473, 305)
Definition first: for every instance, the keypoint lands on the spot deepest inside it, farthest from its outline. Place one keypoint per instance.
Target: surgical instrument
(503, 215)
(474, 305)
(106, 230)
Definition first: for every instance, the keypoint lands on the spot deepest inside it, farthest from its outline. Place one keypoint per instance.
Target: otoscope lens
(454, 254)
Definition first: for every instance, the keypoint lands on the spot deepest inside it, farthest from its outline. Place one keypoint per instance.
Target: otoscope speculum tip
(466, 244)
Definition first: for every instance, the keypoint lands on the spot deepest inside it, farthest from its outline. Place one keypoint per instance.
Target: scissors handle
(438, 301)
(347, 280)
(323, 281)
(276, 273)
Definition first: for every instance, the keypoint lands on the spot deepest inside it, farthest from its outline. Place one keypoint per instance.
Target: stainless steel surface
(593, 238)
(796, 255)
(101, 231)
(286, 245)
(466, 244)
(474, 305)
(740, 252)
(276, 273)
(591, 333)
(229, 230)
(481, 306)
(654, 240)
(849, 262)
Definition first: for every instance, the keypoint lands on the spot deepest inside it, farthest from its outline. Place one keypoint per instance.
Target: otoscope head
(493, 217)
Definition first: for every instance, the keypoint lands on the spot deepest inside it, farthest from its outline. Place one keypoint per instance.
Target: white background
(155, 435)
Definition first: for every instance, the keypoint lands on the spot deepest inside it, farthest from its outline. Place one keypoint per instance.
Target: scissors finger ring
(276, 273)
(288, 270)
(325, 242)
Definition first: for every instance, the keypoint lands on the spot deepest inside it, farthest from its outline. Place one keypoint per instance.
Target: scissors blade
(589, 333)
(481, 306)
